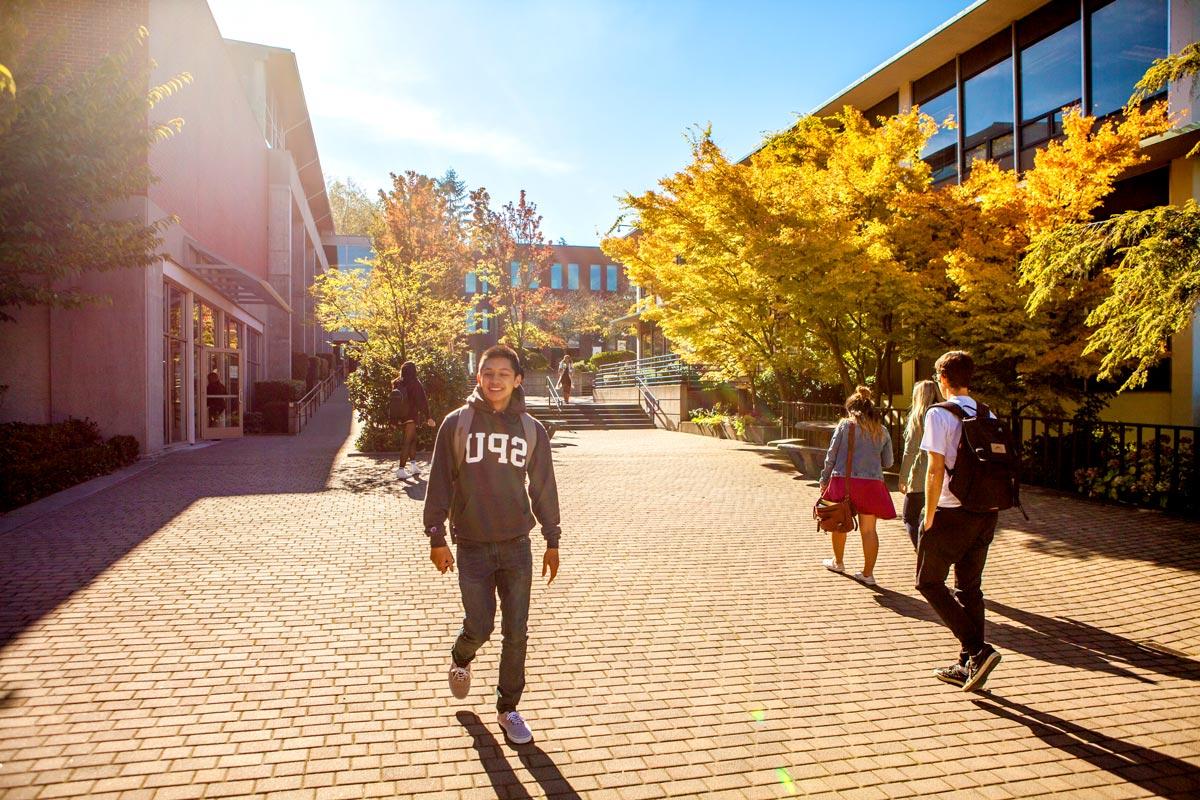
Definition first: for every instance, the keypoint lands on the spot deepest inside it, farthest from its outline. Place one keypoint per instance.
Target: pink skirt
(869, 495)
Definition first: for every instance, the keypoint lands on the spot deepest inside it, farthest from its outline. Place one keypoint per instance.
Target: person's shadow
(1156, 772)
(1058, 641)
(504, 780)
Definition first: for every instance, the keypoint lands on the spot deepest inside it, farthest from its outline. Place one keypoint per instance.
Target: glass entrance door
(220, 393)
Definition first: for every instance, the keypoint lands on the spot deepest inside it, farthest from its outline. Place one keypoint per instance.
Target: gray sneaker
(460, 680)
(415, 469)
(515, 729)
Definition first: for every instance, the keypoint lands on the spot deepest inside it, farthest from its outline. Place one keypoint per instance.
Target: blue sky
(576, 102)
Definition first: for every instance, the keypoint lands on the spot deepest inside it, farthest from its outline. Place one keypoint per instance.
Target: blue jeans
(485, 570)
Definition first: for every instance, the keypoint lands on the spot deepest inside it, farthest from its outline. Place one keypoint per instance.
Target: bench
(807, 460)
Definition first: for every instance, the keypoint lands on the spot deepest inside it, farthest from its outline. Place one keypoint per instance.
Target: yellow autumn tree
(781, 265)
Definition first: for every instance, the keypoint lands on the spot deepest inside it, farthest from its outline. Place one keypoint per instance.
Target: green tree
(74, 143)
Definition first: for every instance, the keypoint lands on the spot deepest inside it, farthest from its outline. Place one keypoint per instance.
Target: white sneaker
(869, 580)
(515, 728)
(833, 565)
(460, 680)
(402, 474)
(415, 469)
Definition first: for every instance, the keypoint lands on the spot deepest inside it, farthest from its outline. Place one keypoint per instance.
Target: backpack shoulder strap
(531, 433)
(981, 410)
(953, 408)
(462, 426)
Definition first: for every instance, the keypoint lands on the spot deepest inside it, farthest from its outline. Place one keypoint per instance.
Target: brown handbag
(838, 516)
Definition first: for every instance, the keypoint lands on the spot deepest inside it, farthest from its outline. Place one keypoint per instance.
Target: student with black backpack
(972, 476)
(408, 406)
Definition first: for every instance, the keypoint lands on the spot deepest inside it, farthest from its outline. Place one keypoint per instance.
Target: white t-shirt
(942, 433)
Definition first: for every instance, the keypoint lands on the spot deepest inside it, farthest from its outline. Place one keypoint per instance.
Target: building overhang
(230, 280)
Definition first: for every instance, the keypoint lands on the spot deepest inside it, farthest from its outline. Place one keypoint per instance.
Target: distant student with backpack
(485, 452)
(408, 406)
(972, 476)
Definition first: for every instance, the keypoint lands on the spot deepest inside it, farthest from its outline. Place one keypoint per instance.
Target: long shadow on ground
(1058, 641)
(1156, 772)
(43, 563)
(504, 780)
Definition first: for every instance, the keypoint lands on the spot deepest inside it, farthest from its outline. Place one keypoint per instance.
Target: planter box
(755, 434)
(761, 434)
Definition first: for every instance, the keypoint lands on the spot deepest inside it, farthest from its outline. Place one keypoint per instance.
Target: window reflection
(1051, 75)
(941, 149)
(1127, 35)
(988, 114)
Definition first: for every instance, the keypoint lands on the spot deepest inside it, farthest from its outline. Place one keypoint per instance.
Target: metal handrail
(652, 401)
(552, 396)
(307, 406)
(659, 369)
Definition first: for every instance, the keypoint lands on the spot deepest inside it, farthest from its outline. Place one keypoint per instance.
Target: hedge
(274, 391)
(77, 453)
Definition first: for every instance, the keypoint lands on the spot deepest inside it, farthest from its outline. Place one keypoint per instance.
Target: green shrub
(275, 391)
(253, 423)
(446, 383)
(534, 360)
(610, 357)
(275, 416)
(43, 459)
(299, 366)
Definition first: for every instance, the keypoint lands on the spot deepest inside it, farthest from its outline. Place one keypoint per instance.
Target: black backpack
(398, 406)
(986, 474)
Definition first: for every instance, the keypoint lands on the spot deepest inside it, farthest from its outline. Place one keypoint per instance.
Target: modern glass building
(1005, 70)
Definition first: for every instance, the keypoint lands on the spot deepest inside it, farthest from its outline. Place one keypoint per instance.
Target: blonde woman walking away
(564, 378)
(915, 462)
(863, 478)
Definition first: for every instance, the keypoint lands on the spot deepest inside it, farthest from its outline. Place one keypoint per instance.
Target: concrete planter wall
(755, 434)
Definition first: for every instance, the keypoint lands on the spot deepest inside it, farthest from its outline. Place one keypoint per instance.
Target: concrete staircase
(587, 416)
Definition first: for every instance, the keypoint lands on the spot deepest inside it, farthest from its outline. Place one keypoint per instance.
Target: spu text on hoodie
(485, 496)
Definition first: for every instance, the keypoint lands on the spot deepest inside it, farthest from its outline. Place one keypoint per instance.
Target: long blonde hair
(925, 394)
(861, 409)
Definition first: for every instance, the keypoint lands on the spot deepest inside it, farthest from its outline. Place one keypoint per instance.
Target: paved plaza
(259, 618)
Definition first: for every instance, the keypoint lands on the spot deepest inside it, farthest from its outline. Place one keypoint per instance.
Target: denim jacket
(871, 456)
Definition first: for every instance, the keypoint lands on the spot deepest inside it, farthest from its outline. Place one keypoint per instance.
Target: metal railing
(655, 407)
(553, 398)
(1142, 464)
(651, 371)
(307, 406)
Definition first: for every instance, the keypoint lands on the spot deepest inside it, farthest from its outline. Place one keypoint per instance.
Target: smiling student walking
(483, 455)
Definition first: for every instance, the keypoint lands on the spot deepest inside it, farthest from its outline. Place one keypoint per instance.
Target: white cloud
(389, 116)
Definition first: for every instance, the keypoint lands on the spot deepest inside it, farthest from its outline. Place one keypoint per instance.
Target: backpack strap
(531, 437)
(953, 408)
(462, 426)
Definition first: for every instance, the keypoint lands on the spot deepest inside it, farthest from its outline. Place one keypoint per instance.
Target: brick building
(174, 356)
(577, 271)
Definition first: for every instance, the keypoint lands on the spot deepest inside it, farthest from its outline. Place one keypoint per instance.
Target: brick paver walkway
(259, 617)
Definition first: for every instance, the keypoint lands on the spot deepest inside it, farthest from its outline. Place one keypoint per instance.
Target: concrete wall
(213, 174)
(672, 400)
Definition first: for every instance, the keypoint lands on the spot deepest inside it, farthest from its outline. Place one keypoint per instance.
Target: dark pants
(958, 539)
(914, 510)
(485, 571)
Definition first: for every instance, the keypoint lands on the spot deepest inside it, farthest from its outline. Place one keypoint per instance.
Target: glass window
(612, 278)
(206, 324)
(942, 148)
(470, 285)
(1127, 35)
(572, 276)
(355, 253)
(1051, 74)
(233, 333)
(486, 287)
(556, 276)
(594, 278)
(486, 322)
(988, 114)
(470, 320)
(514, 271)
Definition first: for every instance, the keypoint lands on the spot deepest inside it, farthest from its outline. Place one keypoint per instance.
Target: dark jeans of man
(958, 539)
(914, 509)
(487, 570)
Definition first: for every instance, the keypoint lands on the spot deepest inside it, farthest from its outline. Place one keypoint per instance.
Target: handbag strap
(849, 462)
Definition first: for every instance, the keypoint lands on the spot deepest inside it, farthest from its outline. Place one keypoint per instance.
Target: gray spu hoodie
(486, 499)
